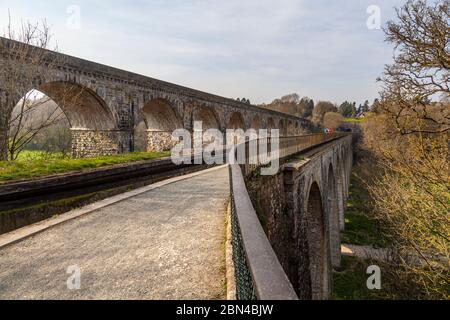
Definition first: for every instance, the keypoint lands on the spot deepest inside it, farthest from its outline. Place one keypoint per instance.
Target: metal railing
(258, 272)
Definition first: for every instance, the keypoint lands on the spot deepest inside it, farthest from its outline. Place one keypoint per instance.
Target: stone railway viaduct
(104, 105)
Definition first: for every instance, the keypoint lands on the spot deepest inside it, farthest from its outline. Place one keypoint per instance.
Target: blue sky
(258, 49)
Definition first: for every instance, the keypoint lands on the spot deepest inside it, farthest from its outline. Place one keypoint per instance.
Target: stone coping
(309, 154)
(269, 279)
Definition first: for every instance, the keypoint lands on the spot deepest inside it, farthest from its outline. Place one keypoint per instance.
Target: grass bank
(355, 120)
(350, 279)
(32, 164)
(350, 282)
(360, 227)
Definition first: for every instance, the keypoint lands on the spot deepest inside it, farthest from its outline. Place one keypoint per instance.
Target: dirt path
(365, 252)
(166, 243)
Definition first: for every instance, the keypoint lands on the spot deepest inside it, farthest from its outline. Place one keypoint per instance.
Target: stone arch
(256, 123)
(209, 120)
(271, 124)
(207, 116)
(236, 121)
(314, 269)
(160, 115)
(94, 129)
(236, 125)
(161, 120)
(36, 110)
(333, 217)
(283, 127)
(290, 128)
(82, 106)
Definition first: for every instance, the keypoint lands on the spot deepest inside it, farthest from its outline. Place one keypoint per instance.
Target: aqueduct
(290, 242)
(104, 105)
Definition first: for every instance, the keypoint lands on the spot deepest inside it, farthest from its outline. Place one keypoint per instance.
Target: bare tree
(26, 64)
(27, 121)
(421, 69)
(408, 139)
(321, 109)
(333, 120)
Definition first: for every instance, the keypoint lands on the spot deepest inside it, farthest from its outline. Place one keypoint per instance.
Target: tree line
(406, 150)
(306, 108)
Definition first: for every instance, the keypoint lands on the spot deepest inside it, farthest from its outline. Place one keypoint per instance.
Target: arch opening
(283, 128)
(82, 106)
(160, 116)
(256, 123)
(314, 273)
(93, 126)
(207, 117)
(271, 124)
(236, 121)
(209, 120)
(40, 125)
(161, 121)
(290, 128)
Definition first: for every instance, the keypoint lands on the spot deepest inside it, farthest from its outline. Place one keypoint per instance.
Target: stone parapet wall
(298, 209)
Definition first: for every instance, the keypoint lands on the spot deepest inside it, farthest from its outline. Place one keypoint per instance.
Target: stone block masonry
(94, 143)
(109, 104)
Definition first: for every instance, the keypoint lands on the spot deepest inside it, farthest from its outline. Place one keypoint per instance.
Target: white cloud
(259, 49)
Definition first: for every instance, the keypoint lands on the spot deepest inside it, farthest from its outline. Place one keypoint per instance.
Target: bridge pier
(88, 143)
(303, 207)
(341, 202)
(158, 141)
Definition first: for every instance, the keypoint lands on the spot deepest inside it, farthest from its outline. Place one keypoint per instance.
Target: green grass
(32, 164)
(28, 155)
(361, 230)
(354, 120)
(360, 227)
(350, 282)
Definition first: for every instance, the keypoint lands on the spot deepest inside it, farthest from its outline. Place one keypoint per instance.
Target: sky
(257, 49)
